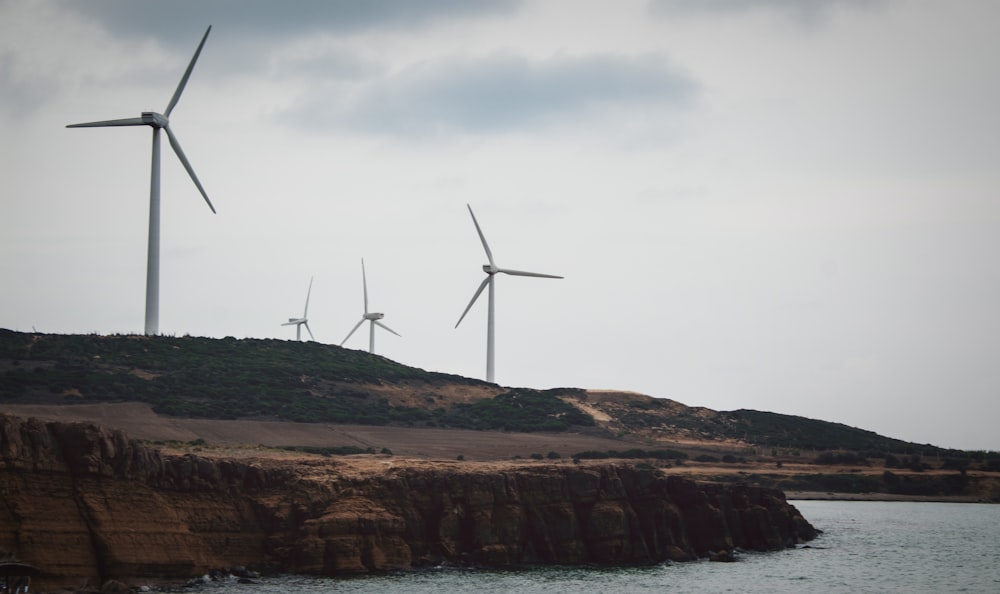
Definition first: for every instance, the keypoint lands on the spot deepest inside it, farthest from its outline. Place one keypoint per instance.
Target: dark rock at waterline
(722, 556)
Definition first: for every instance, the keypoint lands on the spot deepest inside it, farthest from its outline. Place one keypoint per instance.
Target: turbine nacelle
(374, 316)
(156, 120)
(490, 269)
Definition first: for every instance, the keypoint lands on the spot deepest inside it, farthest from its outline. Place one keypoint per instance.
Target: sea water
(865, 547)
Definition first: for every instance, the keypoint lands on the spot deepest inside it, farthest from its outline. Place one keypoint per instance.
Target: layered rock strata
(86, 504)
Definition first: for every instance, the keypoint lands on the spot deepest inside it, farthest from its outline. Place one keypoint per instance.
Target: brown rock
(85, 504)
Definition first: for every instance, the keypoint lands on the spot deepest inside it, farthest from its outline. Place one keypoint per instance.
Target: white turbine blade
(187, 74)
(305, 312)
(380, 324)
(364, 283)
(187, 165)
(356, 326)
(489, 254)
(523, 273)
(292, 323)
(479, 291)
(107, 123)
(306, 324)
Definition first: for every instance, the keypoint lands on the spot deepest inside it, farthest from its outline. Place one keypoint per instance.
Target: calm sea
(865, 547)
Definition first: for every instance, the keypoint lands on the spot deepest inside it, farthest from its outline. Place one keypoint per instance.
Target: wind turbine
(304, 320)
(491, 270)
(158, 122)
(372, 317)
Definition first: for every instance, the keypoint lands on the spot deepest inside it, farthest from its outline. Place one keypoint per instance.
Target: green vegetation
(519, 410)
(789, 431)
(312, 382)
(254, 379)
(329, 451)
(207, 378)
(634, 453)
(888, 482)
(840, 483)
(949, 484)
(842, 459)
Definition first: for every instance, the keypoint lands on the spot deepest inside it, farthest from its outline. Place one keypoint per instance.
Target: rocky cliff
(86, 504)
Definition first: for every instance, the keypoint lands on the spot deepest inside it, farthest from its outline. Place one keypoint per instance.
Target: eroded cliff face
(86, 504)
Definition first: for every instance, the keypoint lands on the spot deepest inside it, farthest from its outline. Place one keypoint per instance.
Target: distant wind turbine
(304, 320)
(372, 317)
(158, 122)
(491, 270)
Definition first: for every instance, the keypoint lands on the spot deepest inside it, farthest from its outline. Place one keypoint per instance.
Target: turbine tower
(304, 320)
(372, 317)
(491, 270)
(158, 122)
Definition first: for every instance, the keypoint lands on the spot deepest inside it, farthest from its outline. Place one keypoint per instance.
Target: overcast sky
(790, 206)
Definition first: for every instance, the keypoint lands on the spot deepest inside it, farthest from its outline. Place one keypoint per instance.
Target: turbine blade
(479, 291)
(306, 324)
(364, 283)
(107, 123)
(380, 324)
(187, 165)
(305, 313)
(523, 273)
(489, 254)
(290, 323)
(187, 74)
(349, 334)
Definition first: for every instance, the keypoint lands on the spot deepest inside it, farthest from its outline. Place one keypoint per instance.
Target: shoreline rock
(86, 505)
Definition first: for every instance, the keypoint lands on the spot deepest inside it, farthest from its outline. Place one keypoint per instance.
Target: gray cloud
(173, 22)
(21, 94)
(497, 93)
(332, 64)
(808, 12)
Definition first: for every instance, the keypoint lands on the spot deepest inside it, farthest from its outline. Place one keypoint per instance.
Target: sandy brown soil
(140, 422)
(416, 446)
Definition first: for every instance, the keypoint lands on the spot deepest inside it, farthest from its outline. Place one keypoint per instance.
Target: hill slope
(195, 394)
(274, 380)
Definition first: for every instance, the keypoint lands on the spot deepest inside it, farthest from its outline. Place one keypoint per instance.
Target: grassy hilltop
(312, 382)
(263, 379)
(252, 381)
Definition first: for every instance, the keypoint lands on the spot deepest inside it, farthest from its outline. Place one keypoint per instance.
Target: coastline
(792, 496)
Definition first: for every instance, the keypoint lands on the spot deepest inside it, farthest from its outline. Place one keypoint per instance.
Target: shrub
(519, 410)
(330, 451)
(633, 453)
(841, 458)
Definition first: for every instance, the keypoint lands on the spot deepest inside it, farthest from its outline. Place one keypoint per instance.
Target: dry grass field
(432, 446)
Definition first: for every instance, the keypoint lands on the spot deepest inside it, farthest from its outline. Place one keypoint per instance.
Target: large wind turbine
(158, 122)
(372, 317)
(491, 270)
(304, 320)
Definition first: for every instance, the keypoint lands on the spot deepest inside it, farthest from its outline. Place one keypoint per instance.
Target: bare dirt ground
(140, 422)
(427, 446)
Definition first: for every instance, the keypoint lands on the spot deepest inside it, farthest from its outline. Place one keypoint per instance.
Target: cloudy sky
(783, 205)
